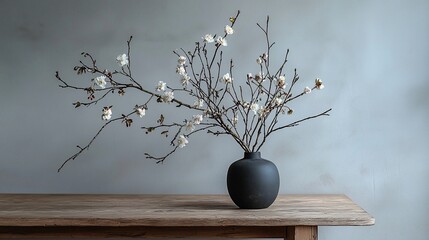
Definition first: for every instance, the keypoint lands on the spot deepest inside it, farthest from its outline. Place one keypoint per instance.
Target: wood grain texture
(20, 210)
(301, 233)
(141, 232)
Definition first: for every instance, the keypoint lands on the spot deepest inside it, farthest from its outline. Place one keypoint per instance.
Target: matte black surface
(253, 182)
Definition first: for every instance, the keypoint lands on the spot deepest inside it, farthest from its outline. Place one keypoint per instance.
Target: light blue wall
(373, 56)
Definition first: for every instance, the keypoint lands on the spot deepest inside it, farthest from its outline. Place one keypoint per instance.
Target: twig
(81, 149)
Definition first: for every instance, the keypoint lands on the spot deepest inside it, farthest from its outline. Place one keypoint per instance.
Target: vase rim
(252, 154)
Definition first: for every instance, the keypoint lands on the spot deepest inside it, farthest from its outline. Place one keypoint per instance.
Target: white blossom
(265, 56)
(254, 107)
(208, 38)
(185, 79)
(199, 103)
(307, 90)
(281, 82)
(197, 119)
(168, 96)
(141, 111)
(235, 119)
(100, 81)
(122, 59)
(229, 30)
(161, 86)
(259, 77)
(262, 112)
(182, 141)
(227, 78)
(189, 126)
(259, 60)
(319, 84)
(222, 41)
(181, 60)
(107, 113)
(180, 70)
(245, 105)
(278, 100)
(249, 76)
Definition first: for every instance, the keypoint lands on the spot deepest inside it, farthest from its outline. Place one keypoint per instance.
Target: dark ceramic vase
(253, 182)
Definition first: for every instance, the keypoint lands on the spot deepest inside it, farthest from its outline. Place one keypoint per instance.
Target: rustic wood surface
(301, 233)
(142, 232)
(20, 210)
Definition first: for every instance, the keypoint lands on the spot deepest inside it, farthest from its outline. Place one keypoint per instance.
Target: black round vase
(253, 182)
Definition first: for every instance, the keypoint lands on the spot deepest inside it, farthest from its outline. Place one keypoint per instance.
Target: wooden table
(292, 217)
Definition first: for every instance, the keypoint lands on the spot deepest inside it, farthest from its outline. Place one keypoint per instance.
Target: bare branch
(81, 149)
(296, 123)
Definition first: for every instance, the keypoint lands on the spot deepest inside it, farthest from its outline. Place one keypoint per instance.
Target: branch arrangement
(247, 110)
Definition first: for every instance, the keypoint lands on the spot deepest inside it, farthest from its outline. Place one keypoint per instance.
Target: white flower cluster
(185, 80)
(278, 101)
(227, 78)
(208, 38)
(107, 113)
(281, 82)
(161, 86)
(196, 120)
(229, 30)
(140, 111)
(122, 59)
(262, 112)
(199, 103)
(235, 119)
(182, 141)
(181, 60)
(100, 81)
(167, 97)
(260, 77)
(254, 107)
(262, 58)
(319, 84)
(220, 41)
(258, 110)
(180, 69)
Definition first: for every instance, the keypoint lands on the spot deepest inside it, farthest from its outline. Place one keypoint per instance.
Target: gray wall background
(372, 55)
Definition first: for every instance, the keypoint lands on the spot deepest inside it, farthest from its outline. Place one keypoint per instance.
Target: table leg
(301, 233)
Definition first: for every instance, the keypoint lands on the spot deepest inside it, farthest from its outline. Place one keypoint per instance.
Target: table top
(176, 211)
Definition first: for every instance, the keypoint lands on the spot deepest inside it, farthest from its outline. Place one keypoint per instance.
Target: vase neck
(252, 155)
